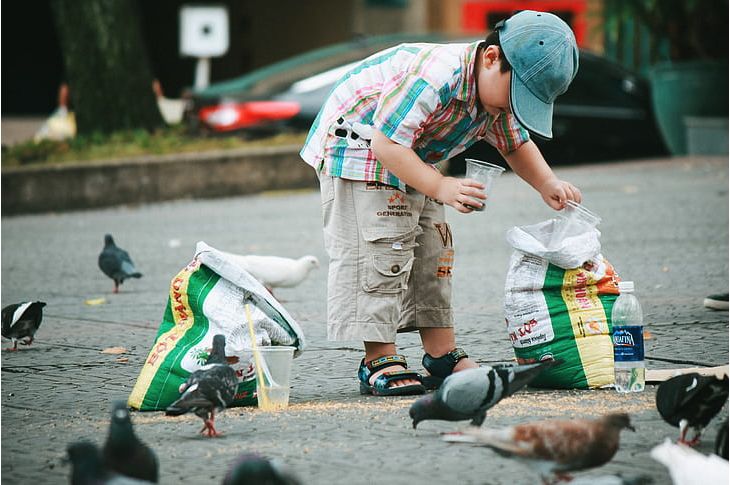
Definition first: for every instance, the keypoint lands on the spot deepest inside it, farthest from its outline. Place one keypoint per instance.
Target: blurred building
(261, 32)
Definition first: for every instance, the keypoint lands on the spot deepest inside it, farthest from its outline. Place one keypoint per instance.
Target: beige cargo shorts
(391, 254)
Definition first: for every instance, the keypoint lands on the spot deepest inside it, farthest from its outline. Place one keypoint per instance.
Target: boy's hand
(462, 194)
(556, 193)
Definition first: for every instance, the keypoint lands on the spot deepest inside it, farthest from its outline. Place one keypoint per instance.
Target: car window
(321, 80)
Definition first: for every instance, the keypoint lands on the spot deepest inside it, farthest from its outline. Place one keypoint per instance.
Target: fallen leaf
(123, 360)
(95, 301)
(114, 350)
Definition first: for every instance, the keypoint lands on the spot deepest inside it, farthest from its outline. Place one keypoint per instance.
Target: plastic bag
(569, 253)
(208, 297)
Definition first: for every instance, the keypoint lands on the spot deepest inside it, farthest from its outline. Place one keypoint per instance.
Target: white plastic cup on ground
(483, 172)
(573, 220)
(273, 378)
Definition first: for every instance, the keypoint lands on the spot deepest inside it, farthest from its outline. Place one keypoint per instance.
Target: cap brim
(533, 114)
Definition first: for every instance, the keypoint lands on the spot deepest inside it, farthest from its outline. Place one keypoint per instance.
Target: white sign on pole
(203, 34)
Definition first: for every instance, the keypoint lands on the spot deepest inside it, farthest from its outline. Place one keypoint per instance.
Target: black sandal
(440, 368)
(380, 386)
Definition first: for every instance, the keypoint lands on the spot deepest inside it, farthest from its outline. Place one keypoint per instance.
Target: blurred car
(606, 113)
(286, 95)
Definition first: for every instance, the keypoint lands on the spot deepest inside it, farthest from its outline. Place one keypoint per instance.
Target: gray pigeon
(87, 467)
(210, 388)
(553, 447)
(20, 321)
(116, 263)
(690, 401)
(251, 468)
(470, 393)
(124, 453)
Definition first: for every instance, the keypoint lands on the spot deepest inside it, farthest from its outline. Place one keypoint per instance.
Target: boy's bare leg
(373, 350)
(438, 341)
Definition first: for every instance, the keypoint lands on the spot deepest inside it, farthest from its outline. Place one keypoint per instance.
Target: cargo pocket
(389, 259)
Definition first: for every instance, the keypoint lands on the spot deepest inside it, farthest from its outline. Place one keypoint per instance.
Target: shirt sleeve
(405, 105)
(506, 134)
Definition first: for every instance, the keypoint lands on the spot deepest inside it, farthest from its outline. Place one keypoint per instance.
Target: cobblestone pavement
(665, 226)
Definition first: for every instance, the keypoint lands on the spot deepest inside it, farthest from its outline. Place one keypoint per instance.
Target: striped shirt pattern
(422, 96)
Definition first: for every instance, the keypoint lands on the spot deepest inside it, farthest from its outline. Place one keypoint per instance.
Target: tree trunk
(106, 65)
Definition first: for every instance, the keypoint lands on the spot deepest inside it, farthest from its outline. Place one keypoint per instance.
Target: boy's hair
(493, 39)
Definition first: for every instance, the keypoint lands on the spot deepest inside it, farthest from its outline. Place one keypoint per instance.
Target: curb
(104, 183)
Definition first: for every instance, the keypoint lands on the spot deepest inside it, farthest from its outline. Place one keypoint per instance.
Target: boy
(373, 143)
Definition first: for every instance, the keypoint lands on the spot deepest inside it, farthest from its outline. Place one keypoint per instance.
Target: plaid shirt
(422, 96)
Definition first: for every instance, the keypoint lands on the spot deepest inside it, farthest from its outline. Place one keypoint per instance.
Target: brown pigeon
(553, 447)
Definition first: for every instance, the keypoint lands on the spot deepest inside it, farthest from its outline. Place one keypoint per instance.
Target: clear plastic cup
(573, 220)
(483, 172)
(273, 376)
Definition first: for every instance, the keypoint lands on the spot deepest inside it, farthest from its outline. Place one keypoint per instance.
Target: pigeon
(275, 271)
(124, 453)
(470, 393)
(210, 388)
(87, 467)
(721, 441)
(689, 467)
(553, 447)
(691, 401)
(20, 322)
(116, 263)
(251, 468)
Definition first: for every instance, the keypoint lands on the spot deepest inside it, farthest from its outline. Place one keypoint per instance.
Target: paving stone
(665, 226)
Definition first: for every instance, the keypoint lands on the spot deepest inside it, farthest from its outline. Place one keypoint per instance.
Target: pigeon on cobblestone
(553, 447)
(470, 393)
(124, 453)
(210, 388)
(20, 321)
(116, 263)
(250, 468)
(275, 271)
(87, 467)
(690, 401)
(689, 467)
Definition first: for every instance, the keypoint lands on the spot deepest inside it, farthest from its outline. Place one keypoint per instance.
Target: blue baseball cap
(542, 51)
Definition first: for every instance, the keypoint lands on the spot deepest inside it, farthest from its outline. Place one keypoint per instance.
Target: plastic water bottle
(628, 340)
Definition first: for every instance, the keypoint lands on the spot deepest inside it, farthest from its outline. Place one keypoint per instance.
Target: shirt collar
(467, 91)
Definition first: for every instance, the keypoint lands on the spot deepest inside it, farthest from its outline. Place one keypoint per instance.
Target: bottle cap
(625, 286)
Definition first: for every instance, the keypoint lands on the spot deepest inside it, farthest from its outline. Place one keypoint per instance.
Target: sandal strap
(367, 369)
(386, 361)
(443, 366)
(387, 377)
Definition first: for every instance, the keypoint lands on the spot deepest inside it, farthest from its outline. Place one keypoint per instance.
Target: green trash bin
(679, 90)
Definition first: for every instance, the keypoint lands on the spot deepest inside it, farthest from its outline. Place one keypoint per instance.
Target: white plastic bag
(570, 253)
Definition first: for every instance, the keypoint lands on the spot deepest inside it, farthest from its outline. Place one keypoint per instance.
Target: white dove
(276, 271)
(689, 467)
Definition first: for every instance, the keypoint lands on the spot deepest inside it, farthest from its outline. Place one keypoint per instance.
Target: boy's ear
(490, 55)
